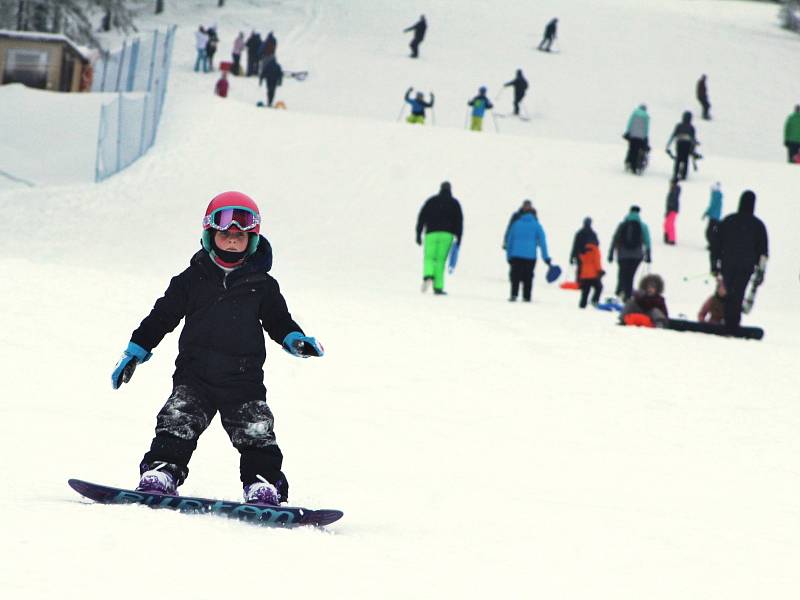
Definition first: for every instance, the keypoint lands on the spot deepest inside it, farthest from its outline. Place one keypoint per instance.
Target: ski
(273, 516)
(751, 333)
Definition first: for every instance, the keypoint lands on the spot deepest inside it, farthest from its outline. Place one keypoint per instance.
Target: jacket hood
(652, 280)
(747, 203)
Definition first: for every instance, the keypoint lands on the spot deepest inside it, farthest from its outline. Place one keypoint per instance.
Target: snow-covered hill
(478, 448)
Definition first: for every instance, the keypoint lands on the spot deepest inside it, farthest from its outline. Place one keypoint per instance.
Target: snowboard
(750, 298)
(751, 333)
(274, 516)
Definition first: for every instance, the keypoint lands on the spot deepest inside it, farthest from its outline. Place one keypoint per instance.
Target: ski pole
(494, 120)
(466, 119)
(433, 117)
(402, 110)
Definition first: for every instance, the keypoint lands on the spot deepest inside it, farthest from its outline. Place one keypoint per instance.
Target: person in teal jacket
(525, 239)
(631, 243)
(791, 134)
(714, 214)
(637, 133)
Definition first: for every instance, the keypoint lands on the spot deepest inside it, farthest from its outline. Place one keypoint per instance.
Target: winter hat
(587, 222)
(445, 187)
(747, 202)
(652, 280)
(635, 209)
(687, 116)
(527, 204)
(482, 89)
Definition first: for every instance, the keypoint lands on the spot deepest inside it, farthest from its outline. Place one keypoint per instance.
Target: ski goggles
(222, 218)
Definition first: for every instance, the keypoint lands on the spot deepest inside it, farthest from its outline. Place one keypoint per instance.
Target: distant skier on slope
(686, 142)
(549, 35)
(631, 242)
(419, 28)
(480, 104)
(525, 239)
(702, 97)
(418, 106)
(520, 85)
(443, 223)
(228, 300)
(637, 134)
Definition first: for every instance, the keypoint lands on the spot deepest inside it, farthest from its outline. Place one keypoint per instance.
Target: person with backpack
(702, 97)
(685, 144)
(637, 135)
(525, 239)
(419, 28)
(480, 104)
(253, 43)
(520, 85)
(443, 224)
(418, 106)
(549, 35)
(671, 213)
(742, 249)
(590, 274)
(585, 235)
(631, 242)
(791, 135)
(714, 214)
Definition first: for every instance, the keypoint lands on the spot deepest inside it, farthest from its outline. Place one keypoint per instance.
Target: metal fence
(139, 73)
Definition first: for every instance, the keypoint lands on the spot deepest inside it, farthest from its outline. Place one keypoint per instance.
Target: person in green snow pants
(442, 222)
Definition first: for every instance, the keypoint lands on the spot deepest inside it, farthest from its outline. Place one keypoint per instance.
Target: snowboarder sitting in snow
(549, 35)
(647, 307)
(590, 273)
(713, 309)
(480, 104)
(228, 300)
(418, 106)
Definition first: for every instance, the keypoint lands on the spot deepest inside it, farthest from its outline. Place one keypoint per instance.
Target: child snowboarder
(480, 104)
(647, 307)
(228, 300)
(590, 273)
(713, 309)
(221, 88)
(418, 106)
(443, 223)
(524, 239)
(671, 212)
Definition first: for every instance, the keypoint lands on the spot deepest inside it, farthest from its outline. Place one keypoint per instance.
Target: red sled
(570, 285)
(225, 66)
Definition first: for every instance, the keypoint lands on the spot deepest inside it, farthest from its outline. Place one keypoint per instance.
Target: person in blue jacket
(480, 104)
(418, 106)
(524, 240)
(714, 214)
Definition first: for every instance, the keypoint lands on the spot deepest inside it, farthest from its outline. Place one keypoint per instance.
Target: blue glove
(298, 344)
(133, 355)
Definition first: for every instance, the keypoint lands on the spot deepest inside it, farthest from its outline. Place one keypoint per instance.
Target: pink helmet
(232, 209)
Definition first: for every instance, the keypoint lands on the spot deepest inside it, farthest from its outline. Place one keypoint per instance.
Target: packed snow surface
(479, 449)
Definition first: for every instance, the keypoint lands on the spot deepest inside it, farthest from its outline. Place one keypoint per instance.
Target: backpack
(631, 235)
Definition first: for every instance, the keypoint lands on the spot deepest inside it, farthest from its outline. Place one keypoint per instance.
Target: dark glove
(647, 257)
(419, 240)
(133, 355)
(572, 260)
(547, 261)
(610, 258)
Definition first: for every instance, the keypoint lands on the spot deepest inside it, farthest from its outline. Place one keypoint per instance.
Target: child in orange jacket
(590, 272)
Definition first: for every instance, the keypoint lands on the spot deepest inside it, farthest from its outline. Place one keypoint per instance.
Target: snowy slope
(478, 449)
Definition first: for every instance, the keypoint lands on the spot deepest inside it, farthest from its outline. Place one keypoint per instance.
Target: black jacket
(742, 239)
(253, 43)
(272, 72)
(673, 199)
(419, 28)
(583, 236)
(520, 85)
(222, 342)
(441, 213)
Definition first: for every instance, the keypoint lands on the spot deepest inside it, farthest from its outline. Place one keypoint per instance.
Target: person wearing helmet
(228, 299)
(480, 104)
(418, 106)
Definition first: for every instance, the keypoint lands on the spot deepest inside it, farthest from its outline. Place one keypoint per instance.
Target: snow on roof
(41, 36)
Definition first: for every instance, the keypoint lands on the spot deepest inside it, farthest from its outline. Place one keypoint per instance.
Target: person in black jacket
(549, 35)
(686, 141)
(702, 97)
(211, 47)
(253, 43)
(742, 248)
(419, 28)
(520, 85)
(443, 223)
(273, 74)
(585, 235)
(228, 300)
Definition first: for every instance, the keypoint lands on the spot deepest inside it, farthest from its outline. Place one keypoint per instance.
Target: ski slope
(478, 448)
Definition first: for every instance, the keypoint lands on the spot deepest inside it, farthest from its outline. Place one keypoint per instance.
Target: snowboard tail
(751, 333)
(275, 516)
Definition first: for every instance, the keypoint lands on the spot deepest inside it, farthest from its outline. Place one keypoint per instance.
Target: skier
(253, 43)
(713, 309)
(520, 85)
(585, 235)
(221, 88)
(228, 300)
(684, 136)
(419, 28)
(637, 135)
(443, 223)
(671, 212)
(238, 47)
(272, 73)
(211, 48)
(525, 239)
(480, 104)
(714, 214)
(590, 274)
(646, 307)
(791, 135)
(702, 97)
(418, 106)
(742, 248)
(631, 242)
(549, 35)
(200, 43)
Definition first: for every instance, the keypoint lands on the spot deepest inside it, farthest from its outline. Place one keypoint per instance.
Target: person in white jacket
(201, 39)
(238, 47)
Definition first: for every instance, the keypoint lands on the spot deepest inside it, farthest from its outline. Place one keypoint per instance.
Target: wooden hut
(48, 61)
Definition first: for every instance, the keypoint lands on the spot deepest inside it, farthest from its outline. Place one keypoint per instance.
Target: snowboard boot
(426, 283)
(439, 292)
(157, 480)
(261, 492)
